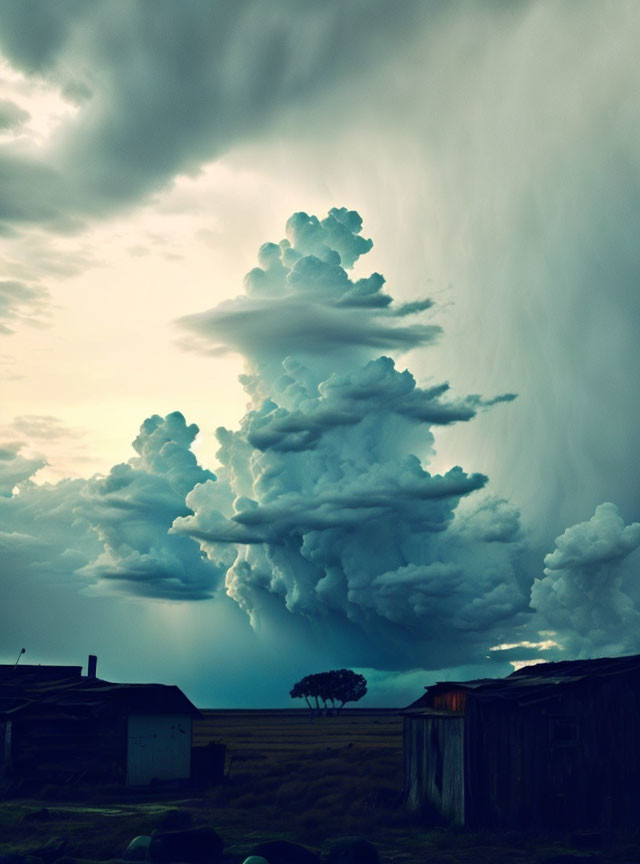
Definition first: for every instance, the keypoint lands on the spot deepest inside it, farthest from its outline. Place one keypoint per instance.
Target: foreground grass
(287, 777)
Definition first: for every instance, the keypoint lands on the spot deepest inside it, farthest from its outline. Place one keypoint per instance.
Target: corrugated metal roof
(532, 683)
(563, 669)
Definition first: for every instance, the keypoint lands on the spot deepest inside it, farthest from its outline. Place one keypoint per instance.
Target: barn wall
(505, 779)
(434, 764)
(569, 761)
(159, 748)
(615, 739)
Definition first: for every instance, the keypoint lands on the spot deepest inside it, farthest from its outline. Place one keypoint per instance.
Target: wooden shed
(58, 726)
(555, 745)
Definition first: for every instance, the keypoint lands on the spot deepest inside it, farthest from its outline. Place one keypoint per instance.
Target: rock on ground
(285, 852)
(351, 850)
(191, 846)
(138, 848)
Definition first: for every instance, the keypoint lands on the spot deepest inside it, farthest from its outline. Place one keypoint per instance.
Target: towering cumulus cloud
(323, 491)
(323, 522)
(300, 300)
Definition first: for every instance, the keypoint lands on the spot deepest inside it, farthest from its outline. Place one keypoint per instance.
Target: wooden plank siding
(572, 761)
(55, 749)
(451, 700)
(434, 764)
(564, 755)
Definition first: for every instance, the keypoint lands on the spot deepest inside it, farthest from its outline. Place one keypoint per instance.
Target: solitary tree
(334, 689)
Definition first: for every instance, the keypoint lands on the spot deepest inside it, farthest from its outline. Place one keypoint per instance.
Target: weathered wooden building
(58, 726)
(553, 745)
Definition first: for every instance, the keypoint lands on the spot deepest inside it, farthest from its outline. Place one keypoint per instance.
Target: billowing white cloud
(132, 508)
(113, 528)
(590, 591)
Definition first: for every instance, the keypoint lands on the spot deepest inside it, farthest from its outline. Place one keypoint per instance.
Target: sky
(318, 339)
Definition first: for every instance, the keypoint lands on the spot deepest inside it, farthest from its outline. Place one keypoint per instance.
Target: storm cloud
(492, 149)
(323, 518)
(159, 90)
(323, 509)
(324, 492)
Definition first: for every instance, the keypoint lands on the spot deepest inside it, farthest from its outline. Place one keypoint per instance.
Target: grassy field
(287, 777)
(310, 779)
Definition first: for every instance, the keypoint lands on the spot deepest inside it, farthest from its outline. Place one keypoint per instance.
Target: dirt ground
(288, 777)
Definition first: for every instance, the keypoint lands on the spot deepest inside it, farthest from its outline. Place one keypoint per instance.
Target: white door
(159, 747)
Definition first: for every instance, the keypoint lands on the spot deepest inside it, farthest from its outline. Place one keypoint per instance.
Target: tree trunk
(309, 706)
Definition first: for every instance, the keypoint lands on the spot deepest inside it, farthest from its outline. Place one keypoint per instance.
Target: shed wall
(434, 764)
(58, 749)
(159, 748)
(570, 761)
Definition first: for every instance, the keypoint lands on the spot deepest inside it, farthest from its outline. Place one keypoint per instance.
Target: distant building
(554, 745)
(58, 726)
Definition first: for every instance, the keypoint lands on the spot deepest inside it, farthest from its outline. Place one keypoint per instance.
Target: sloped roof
(564, 669)
(89, 697)
(29, 674)
(535, 682)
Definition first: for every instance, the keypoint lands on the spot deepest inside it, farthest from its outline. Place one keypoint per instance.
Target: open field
(287, 777)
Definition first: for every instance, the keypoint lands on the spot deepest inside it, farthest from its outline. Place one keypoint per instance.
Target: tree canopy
(334, 689)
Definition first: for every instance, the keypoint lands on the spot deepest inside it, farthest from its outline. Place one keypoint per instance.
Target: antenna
(22, 651)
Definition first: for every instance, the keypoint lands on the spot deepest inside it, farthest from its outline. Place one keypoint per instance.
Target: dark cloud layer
(12, 116)
(162, 88)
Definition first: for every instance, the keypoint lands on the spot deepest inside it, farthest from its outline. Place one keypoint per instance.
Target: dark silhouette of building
(553, 745)
(57, 725)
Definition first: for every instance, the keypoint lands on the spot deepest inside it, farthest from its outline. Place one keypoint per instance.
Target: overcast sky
(406, 442)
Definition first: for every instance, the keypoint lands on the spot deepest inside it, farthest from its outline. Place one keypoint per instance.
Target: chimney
(92, 666)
